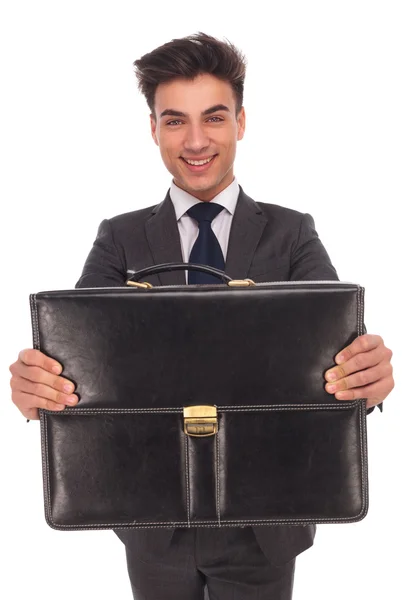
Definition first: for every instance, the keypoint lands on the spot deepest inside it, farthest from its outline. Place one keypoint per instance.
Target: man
(194, 89)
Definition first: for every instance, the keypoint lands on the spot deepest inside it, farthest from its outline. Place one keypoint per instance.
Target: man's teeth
(198, 162)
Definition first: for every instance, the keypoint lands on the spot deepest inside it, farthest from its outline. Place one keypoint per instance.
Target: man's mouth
(199, 164)
(203, 161)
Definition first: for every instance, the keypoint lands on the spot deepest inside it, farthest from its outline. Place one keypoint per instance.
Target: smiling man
(198, 143)
(194, 90)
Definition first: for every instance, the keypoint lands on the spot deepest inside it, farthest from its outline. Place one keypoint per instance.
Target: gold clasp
(145, 285)
(200, 421)
(241, 282)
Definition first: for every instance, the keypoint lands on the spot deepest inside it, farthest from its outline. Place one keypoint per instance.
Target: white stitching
(358, 311)
(268, 285)
(101, 411)
(267, 407)
(217, 451)
(247, 408)
(45, 468)
(35, 324)
(223, 523)
(362, 410)
(362, 309)
(363, 447)
(187, 479)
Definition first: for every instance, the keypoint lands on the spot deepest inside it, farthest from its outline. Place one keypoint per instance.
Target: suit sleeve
(105, 265)
(310, 261)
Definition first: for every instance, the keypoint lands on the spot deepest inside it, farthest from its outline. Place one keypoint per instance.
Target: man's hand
(35, 384)
(363, 371)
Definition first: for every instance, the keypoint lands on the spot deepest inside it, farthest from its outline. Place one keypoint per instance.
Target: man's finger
(19, 384)
(359, 362)
(40, 375)
(375, 393)
(28, 401)
(363, 343)
(361, 378)
(35, 358)
(31, 414)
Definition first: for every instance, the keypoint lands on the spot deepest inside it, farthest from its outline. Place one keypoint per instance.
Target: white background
(326, 134)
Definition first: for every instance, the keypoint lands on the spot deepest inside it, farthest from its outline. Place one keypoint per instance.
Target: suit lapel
(165, 245)
(247, 227)
(164, 241)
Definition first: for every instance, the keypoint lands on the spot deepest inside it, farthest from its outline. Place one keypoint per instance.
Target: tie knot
(205, 211)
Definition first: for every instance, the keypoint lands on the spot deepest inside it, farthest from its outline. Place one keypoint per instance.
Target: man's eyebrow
(215, 108)
(171, 112)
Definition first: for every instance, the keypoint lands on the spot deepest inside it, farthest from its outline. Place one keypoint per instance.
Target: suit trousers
(207, 563)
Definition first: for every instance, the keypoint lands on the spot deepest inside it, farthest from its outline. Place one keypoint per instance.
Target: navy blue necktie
(206, 250)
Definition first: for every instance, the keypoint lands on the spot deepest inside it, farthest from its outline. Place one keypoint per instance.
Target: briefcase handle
(174, 266)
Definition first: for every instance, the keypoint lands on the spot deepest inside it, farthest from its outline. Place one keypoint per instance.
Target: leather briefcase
(201, 405)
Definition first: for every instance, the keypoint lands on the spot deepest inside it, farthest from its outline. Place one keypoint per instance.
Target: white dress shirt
(188, 228)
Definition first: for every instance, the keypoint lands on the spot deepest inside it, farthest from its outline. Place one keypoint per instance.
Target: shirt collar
(183, 201)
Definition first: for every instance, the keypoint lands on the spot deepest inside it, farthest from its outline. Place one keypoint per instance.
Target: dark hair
(188, 57)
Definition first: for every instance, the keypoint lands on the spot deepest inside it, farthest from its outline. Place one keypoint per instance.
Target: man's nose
(196, 139)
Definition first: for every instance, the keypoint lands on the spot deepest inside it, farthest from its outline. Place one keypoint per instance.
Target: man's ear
(153, 125)
(241, 123)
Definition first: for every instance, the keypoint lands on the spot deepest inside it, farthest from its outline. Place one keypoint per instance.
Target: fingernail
(331, 376)
(68, 388)
(71, 399)
(341, 395)
(57, 369)
(340, 359)
(331, 387)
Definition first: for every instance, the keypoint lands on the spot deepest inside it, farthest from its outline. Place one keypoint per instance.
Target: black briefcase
(201, 405)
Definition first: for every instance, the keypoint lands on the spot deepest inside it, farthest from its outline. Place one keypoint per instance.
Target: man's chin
(195, 187)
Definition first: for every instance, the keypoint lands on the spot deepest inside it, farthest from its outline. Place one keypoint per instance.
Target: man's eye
(215, 119)
(174, 122)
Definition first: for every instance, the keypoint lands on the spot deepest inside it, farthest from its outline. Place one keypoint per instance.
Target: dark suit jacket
(267, 243)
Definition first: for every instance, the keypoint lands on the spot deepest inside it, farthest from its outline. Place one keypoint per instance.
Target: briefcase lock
(241, 283)
(144, 284)
(200, 421)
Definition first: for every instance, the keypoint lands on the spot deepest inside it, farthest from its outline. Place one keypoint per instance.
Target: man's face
(195, 120)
